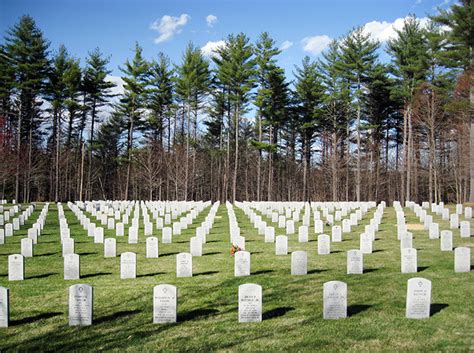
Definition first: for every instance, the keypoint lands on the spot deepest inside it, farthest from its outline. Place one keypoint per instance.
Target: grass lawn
(207, 302)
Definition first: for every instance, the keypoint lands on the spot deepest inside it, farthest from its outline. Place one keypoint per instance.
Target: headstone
(152, 247)
(164, 304)
(80, 305)
(119, 230)
(269, 235)
(366, 243)
(195, 246)
(110, 247)
(355, 262)
(462, 259)
(290, 227)
(324, 244)
(336, 234)
(99, 235)
(128, 265)
(33, 235)
(132, 235)
(250, 303)
(281, 245)
(68, 246)
(318, 226)
(184, 265)
(2, 236)
(27, 247)
(334, 300)
(4, 307)
(8, 230)
(299, 263)
(303, 234)
(454, 221)
(409, 260)
(406, 241)
(16, 269)
(465, 229)
(418, 298)
(71, 266)
(446, 240)
(241, 263)
(434, 231)
(167, 235)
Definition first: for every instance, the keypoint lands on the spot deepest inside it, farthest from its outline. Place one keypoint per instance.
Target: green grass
(207, 302)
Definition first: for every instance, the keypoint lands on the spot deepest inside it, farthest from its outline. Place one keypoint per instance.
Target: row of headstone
(250, 297)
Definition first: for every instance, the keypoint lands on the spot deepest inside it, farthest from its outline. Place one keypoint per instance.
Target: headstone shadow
(436, 308)
(196, 314)
(277, 312)
(356, 309)
(31, 319)
(115, 316)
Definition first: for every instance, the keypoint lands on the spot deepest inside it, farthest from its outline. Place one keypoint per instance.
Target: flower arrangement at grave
(234, 249)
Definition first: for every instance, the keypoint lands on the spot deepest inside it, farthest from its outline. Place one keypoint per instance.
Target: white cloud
(211, 20)
(286, 45)
(211, 47)
(418, 2)
(383, 31)
(316, 44)
(168, 26)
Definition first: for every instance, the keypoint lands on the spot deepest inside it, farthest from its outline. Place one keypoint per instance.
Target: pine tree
(97, 93)
(409, 65)
(236, 72)
(359, 57)
(27, 53)
(309, 94)
(133, 102)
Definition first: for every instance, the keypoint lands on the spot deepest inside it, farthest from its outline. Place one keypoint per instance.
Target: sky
(299, 27)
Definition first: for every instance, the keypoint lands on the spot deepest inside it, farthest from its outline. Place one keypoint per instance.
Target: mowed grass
(207, 302)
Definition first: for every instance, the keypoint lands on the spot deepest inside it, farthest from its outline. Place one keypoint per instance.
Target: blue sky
(303, 27)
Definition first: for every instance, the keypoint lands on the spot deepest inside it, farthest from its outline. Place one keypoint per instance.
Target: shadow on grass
(422, 268)
(377, 250)
(211, 253)
(336, 252)
(115, 316)
(356, 309)
(369, 270)
(205, 273)
(436, 308)
(261, 272)
(257, 252)
(213, 241)
(44, 275)
(277, 312)
(169, 254)
(31, 319)
(151, 274)
(316, 270)
(47, 254)
(96, 274)
(87, 253)
(196, 314)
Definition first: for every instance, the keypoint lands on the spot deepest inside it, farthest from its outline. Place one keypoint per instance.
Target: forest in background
(234, 127)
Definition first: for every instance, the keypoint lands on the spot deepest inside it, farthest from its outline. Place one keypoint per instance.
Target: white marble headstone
(110, 247)
(355, 262)
(250, 303)
(4, 307)
(281, 245)
(409, 260)
(462, 259)
(152, 247)
(195, 246)
(164, 304)
(71, 266)
(324, 244)
(418, 298)
(446, 242)
(128, 265)
(80, 305)
(184, 265)
(27, 247)
(299, 263)
(241, 263)
(334, 300)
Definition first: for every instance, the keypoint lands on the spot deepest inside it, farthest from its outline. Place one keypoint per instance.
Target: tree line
(234, 127)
